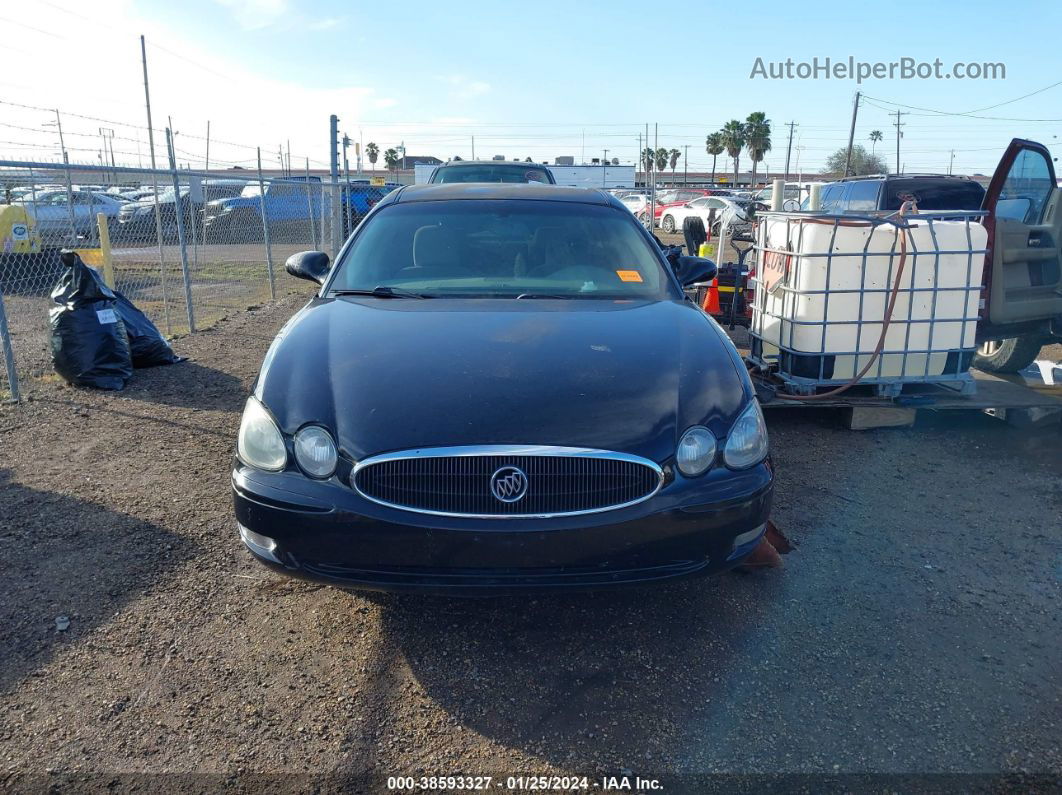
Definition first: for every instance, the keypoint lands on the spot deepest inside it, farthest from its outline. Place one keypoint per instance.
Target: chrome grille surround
(631, 479)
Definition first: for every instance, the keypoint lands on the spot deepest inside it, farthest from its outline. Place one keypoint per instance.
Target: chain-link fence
(186, 247)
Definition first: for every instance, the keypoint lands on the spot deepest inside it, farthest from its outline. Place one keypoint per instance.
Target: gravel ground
(915, 629)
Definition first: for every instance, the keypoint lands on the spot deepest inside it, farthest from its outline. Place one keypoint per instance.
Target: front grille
(557, 483)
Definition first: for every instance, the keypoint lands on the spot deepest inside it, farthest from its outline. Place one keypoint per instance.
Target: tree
(673, 158)
(528, 160)
(757, 138)
(733, 133)
(713, 145)
(373, 151)
(458, 157)
(875, 136)
(660, 158)
(648, 158)
(863, 162)
(391, 159)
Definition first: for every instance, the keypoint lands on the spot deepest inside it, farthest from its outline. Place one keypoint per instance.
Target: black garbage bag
(148, 346)
(89, 342)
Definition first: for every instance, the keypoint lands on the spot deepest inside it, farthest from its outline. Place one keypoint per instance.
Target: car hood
(397, 374)
(234, 201)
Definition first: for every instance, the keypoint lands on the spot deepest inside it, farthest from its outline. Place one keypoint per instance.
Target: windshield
(504, 249)
(490, 173)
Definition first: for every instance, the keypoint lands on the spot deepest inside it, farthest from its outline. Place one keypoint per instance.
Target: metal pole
(349, 214)
(309, 205)
(265, 228)
(180, 231)
(685, 165)
(9, 356)
(789, 150)
(333, 173)
(656, 145)
(851, 136)
(641, 157)
(898, 136)
(473, 147)
(155, 187)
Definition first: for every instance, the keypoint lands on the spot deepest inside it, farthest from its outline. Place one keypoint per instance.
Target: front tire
(668, 224)
(1009, 355)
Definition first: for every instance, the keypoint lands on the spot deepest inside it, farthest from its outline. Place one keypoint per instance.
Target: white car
(52, 214)
(729, 212)
(637, 203)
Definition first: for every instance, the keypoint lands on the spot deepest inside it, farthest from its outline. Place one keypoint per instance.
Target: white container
(812, 306)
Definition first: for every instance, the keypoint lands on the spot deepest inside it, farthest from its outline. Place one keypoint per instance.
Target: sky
(538, 79)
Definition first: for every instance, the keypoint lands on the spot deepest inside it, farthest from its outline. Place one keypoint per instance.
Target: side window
(1027, 188)
(863, 196)
(831, 198)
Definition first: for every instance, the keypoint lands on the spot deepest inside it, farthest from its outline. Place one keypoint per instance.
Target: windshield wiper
(542, 295)
(382, 292)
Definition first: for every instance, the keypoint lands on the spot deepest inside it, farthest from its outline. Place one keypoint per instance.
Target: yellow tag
(629, 276)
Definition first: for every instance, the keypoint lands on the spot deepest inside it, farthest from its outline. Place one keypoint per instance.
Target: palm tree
(391, 159)
(673, 158)
(660, 158)
(733, 134)
(373, 151)
(713, 144)
(757, 138)
(648, 158)
(875, 136)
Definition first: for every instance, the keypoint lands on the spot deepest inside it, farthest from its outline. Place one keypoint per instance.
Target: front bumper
(326, 532)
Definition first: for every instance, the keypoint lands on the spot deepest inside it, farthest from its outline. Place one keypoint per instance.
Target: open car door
(1024, 222)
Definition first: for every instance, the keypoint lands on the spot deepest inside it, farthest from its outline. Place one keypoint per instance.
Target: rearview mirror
(692, 270)
(309, 265)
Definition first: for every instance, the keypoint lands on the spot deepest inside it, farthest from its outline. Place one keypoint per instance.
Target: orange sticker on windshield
(629, 276)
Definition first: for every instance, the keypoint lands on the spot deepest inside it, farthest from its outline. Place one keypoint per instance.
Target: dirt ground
(916, 628)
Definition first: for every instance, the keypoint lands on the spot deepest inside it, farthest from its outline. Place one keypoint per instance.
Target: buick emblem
(508, 484)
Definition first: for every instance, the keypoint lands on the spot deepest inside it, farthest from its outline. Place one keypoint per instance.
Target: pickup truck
(1022, 285)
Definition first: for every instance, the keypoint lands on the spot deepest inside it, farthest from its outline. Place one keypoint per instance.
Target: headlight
(260, 443)
(696, 451)
(315, 451)
(747, 443)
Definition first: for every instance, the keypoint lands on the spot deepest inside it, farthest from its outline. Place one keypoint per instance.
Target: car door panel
(1023, 274)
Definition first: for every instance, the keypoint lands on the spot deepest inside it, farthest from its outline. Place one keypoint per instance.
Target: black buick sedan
(501, 387)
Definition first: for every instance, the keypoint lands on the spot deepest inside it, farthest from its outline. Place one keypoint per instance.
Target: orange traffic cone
(711, 298)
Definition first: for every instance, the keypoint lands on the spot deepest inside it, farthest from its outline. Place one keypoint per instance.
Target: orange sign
(629, 276)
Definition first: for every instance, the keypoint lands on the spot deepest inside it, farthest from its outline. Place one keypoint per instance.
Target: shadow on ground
(587, 682)
(68, 557)
(187, 384)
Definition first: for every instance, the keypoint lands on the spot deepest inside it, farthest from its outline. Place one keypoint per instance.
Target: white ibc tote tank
(834, 278)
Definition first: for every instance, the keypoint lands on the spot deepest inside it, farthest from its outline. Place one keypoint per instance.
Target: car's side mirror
(309, 265)
(692, 270)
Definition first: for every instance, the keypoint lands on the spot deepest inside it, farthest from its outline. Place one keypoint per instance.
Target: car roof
(456, 191)
(511, 163)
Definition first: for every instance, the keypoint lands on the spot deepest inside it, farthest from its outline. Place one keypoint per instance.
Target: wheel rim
(989, 347)
(669, 224)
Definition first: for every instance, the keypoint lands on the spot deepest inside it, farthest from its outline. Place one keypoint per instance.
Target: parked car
(136, 222)
(732, 213)
(888, 192)
(491, 171)
(52, 214)
(558, 414)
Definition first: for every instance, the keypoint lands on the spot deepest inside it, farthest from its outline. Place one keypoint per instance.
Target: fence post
(105, 249)
(309, 203)
(179, 212)
(265, 228)
(9, 356)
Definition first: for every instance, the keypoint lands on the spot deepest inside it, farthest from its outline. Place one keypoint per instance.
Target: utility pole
(685, 165)
(640, 159)
(851, 136)
(899, 135)
(155, 185)
(951, 163)
(789, 149)
(604, 166)
(206, 162)
(473, 147)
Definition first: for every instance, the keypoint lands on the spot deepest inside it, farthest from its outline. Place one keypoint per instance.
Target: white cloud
(465, 88)
(256, 14)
